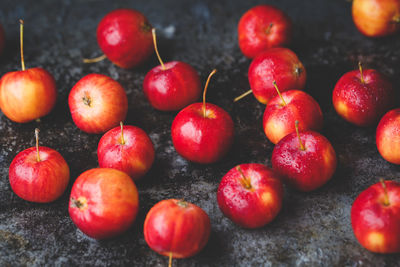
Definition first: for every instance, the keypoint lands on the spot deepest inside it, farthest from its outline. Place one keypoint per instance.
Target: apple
(124, 36)
(250, 195)
(376, 18)
(171, 86)
(39, 174)
(263, 27)
(363, 96)
(202, 132)
(28, 94)
(97, 103)
(388, 138)
(276, 64)
(375, 217)
(128, 149)
(2, 39)
(285, 109)
(304, 160)
(176, 228)
(103, 202)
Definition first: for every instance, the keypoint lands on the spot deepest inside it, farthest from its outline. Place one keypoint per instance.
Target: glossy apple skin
(376, 18)
(254, 34)
(388, 136)
(134, 157)
(254, 204)
(177, 227)
(124, 36)
(27, 95)
(173, 88)
(108, 201)
(376, 225)
(2, 39)
(202, 139)
(276, 64)
(42, 181)
(363, 104)
(108, 103)
(308, 169)
(279, 120)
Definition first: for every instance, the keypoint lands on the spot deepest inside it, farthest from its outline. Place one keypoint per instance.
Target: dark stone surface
(312, 229)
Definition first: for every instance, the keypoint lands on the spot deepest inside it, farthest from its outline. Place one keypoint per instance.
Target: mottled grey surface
(312, 229)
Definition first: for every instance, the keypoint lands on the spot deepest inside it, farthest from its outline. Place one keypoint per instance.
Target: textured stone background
(312, 229)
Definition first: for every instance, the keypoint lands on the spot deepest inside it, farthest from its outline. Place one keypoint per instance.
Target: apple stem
(94, 60)
(205, 91)
(245, 182)
(296, 125)
(37, 144)
(386, 202)
(21, 40)
(279, 93)
(170, 260)
(268, 30)
(182, 203)
(122, 133)
(361, 72)
(242, 95)
(153, 32)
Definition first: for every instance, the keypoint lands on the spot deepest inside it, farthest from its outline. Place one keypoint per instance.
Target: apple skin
(202, 140)
(308, 169)
(363, 104)
(279, 120)
(107, 106)
(124, 36)
(255, 33)
(173, 88)
(134, 157)
(252, 203)
(276, 64)
(42, 181)
(387, 136)
(177, 227)
(2, 39)
(376, 225)
(376, 18)
(104, 202)
(27, 95)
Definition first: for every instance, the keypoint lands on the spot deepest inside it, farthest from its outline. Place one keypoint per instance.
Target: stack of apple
(104, 201)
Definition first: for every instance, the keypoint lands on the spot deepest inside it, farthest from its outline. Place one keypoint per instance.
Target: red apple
(375, 217)
(377, 18)
(171, 86)
(176, 228)
(304, 160)
(39, 174)
(276, 64)
(363, 96)
(97, 103)
(103, 203)
(124, 36)
(202, 132)
(263, 27)
(2, 39)
(128, 149)
(388, 136)
(285, 109)
(250, 195)
(28, 94)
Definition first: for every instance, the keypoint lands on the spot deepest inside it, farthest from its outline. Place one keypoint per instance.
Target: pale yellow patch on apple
(376, 240)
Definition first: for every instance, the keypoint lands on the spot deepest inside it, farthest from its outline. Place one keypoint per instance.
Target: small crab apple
(171, 86)
(250, 195)
(39, 174)
(304, 160)
(263, 27)
(202, 132)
